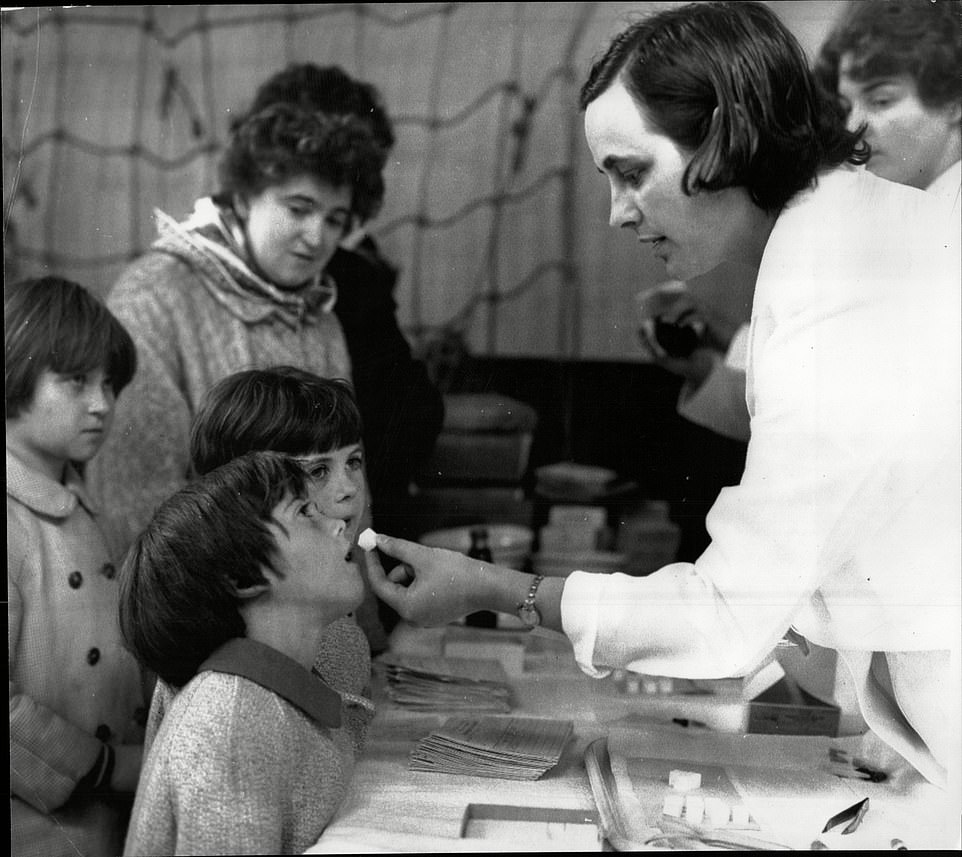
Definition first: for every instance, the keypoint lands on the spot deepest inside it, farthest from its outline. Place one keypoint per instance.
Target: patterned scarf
(212, 242)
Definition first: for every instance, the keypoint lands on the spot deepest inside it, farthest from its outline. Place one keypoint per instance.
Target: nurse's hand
(432, 586)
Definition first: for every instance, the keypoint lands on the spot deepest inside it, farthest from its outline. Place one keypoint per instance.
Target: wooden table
(389, 808)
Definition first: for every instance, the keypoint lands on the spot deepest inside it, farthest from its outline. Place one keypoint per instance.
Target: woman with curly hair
(240, 284)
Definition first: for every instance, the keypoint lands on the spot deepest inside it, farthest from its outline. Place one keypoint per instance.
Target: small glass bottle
(481, 550)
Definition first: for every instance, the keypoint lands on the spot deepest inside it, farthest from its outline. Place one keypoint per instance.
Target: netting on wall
(110, 112)
(494, 212)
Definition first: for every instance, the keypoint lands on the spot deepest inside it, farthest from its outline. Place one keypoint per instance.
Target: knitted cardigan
(187, 339)
(238, 766)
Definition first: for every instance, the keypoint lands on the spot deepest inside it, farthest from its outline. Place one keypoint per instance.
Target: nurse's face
(911, 143)
(293, 228)
(690, 234)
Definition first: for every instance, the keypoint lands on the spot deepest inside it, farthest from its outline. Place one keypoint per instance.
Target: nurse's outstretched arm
(435, 586)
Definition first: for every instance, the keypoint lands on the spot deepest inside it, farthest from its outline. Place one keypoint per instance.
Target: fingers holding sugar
(367, 540)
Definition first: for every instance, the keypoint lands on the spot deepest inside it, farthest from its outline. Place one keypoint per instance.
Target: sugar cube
(367, 540)
(694, 809)
(684, 781)
(674, 805)
(740, 814)
(717, 811)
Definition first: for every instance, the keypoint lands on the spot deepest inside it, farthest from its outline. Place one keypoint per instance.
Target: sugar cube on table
(740, 814)
(367, 540)
(684, 781)
(694, 809)
(674, 805)
(717, 810)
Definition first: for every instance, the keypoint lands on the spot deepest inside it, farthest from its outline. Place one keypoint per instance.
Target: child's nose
(347, 486)
(101, 399)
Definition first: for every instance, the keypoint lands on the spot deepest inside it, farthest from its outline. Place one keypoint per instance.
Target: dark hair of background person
(178, 582)
(279, 409)
(51, 323)
(917, 38)
(284, 141)
(328, 89)
(729, 82)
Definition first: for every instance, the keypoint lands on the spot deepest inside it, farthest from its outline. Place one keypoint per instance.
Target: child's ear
(245, 593)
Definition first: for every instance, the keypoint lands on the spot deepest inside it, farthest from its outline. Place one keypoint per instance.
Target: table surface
(389, 808)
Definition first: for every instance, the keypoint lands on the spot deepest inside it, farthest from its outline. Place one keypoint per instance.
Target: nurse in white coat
(707, 123)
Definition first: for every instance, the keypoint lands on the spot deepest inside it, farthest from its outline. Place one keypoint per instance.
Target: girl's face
(67, 420)
(313, 558)
(690, 234)
(293, 228)
(339, 485)
(911, 144)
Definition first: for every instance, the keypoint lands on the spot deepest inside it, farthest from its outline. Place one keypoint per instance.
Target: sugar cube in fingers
(367, 540)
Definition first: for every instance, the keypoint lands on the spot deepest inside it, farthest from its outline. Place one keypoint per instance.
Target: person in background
(709, 351)
(240, 284)
(894, 66)
(226, 596)
(718, 147)
(76, 697)
(403, 411)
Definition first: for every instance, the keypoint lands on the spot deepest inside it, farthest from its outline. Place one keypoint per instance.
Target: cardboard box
(786, 708)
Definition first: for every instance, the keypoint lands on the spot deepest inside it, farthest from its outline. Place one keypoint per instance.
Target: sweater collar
(280, 674)
(42, 494)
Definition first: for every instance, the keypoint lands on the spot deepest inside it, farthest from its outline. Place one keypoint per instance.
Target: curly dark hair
(729, 82)
(284, 140)
(328, 89)
(917, 38)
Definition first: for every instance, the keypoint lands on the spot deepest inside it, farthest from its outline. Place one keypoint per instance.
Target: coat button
(109, 571)
(93, 656)
(103, 733)
(75, 579)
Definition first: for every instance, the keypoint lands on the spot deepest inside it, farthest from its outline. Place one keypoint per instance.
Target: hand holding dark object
(678, 339)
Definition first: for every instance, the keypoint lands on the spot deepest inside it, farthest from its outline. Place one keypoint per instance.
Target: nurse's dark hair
(729, 83)
(281, 408)
(179, 580)
(917, 38)
(286, 141)
(51, 323)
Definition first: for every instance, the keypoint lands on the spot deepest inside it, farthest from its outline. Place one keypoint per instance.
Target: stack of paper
(433, 684)
(512, 748)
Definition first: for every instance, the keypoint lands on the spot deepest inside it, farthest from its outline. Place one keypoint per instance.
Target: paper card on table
(448, 683)
(521, 748)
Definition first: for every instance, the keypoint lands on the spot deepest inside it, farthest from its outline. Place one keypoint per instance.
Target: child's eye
(308, 509)
(356, 462)
(338, 220)
(318, 470)
(78, 381)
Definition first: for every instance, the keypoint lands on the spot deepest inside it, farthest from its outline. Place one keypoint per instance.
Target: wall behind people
(493, 211)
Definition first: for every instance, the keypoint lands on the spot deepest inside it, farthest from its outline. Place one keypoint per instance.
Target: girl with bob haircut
(76, 699)
(53, 324)
(226, 595)
(717, 146)
(281, 409)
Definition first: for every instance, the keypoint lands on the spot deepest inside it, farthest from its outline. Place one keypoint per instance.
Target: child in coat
(76, 698)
